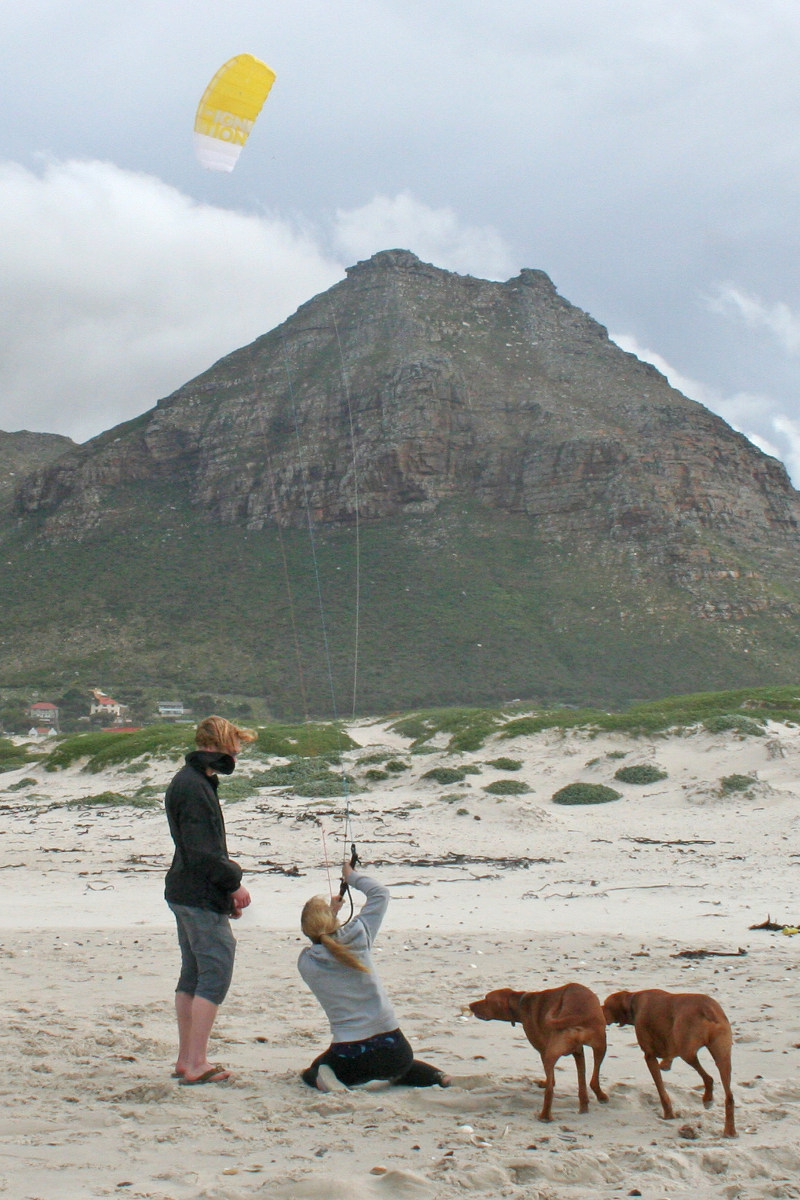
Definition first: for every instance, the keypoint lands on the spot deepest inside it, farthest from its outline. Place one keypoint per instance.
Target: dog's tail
(579, 1005)
(719, 1036)
(719, 1043)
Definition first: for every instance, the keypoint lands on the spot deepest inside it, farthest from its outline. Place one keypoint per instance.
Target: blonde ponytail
(318, 923)
(342, 954)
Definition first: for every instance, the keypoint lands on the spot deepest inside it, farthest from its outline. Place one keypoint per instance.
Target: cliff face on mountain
(455, 386)
(406, 391)
(22, 453)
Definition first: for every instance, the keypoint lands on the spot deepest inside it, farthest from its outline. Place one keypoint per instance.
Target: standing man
(203, 889)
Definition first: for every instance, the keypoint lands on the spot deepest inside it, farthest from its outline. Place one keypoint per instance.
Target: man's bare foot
(327, 1081)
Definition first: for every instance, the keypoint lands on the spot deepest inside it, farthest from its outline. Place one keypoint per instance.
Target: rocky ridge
(421, 489)
(21, 453)
(406, 385)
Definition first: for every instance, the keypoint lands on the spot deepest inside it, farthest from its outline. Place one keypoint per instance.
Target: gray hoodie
(355, 1003)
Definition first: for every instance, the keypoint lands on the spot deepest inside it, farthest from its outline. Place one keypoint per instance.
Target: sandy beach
(487, 891)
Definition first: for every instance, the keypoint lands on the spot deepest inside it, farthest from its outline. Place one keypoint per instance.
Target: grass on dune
(742, 712)
(109, 749)
(12, 756)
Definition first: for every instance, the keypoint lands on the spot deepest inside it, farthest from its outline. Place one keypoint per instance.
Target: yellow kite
(228, 109)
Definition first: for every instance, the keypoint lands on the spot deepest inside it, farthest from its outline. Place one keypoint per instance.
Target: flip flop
(209, 1076)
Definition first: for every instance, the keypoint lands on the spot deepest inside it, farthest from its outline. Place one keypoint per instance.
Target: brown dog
(559, 1021)
(676, 1025)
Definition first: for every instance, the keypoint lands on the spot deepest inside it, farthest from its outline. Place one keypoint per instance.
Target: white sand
(90, 962)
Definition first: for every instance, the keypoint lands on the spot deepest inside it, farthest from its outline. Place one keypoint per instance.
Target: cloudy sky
(646, 155)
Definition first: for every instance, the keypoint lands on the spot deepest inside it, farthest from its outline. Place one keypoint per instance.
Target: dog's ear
(617, 1008)
(626, 1006)
(608, 1008)
(510, 1003)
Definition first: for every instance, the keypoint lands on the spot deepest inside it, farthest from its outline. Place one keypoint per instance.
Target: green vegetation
(14, 716)
(507, 787)
(736, 723)
(672, 713)
(736, 783)
(12, 757)
(505, 764)
(21, 784)
(237, 787)
(305, 777)
(468, 727)
(102, 750)
(642, 773)
(150, 791)
(445, 774)
(112, 800)
(328, 785)
(110, 748)
(585, 793)
(743, 712)
(535, 619)
(310, 740)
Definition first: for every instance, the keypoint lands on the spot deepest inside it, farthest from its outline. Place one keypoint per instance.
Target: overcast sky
(645, 154)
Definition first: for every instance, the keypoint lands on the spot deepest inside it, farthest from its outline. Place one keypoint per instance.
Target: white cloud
(788, 430)
(760, 418)
(116, 288)
(434, 234)
(778, 319)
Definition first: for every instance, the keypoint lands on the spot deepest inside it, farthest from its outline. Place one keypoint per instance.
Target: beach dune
(657, 889)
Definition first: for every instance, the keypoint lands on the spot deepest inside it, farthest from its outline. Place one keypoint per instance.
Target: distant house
(110, 710)
(170, 708)
(44, 713)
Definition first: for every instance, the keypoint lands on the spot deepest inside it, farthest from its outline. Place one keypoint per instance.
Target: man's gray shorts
(208, 948)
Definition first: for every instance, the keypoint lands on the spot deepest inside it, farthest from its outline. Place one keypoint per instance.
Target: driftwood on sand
(710, 953)
(775, 926)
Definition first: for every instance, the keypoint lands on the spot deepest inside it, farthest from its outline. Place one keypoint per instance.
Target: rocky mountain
(22, 452)
(482, 450)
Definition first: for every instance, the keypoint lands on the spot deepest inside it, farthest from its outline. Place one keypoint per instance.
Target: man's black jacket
(201, 875)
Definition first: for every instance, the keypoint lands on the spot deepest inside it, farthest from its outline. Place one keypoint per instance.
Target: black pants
(385, 1056)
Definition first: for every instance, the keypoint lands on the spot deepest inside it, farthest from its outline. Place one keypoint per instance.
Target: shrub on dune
(506, 787)
(641, 773)
(445, 774)
(585, 793)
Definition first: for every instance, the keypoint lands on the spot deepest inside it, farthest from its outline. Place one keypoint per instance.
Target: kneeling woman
(338, 968)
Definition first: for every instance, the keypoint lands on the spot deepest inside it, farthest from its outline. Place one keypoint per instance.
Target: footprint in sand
(391, 1185)
(579, 1167)
(145, 1093)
